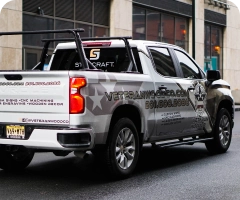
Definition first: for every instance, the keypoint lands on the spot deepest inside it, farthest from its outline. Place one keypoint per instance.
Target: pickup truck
(110, 96)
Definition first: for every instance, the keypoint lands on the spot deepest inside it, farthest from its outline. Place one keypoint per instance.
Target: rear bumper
(56, 139)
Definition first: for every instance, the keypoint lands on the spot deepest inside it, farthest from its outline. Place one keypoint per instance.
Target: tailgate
(39, 97)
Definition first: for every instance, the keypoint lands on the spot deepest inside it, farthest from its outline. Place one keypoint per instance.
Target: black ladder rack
(76, 37)
(125, 39)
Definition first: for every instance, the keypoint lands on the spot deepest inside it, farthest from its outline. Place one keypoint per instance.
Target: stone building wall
(231, 61)
(11, 46)
(121, 18)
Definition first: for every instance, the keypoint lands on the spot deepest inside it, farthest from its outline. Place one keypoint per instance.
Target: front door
(194, 83)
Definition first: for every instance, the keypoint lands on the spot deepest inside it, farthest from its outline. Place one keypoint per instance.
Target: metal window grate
(101, 12)
(93, 15)
(45, 5)
(168, 5)
(65, 9)
(84, 10)
(215, 17)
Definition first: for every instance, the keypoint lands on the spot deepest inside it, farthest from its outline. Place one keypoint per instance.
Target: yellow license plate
(15, 132)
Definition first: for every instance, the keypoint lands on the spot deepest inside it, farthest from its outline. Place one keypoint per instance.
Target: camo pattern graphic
(99, 101)
(106, 92)
(199, 100)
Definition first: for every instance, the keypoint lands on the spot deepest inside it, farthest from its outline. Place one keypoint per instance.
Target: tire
(122, 150)
(222, 133)
(17, 160)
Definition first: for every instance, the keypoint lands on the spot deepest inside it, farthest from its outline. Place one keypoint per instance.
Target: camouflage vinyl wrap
(171, 113)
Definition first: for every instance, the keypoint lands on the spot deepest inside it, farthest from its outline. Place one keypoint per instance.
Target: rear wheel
(16, 160)
(122, 150)
(222, 133)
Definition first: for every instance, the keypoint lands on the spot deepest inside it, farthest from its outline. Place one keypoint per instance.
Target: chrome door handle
(162, 87)
(191, 88)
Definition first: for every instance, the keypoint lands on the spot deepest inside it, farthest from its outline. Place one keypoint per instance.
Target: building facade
(215, 36)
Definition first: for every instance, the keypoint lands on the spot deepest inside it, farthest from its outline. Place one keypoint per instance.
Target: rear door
(172, 109)
(36, 97)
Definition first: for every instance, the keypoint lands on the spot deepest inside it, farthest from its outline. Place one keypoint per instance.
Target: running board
(177, 143)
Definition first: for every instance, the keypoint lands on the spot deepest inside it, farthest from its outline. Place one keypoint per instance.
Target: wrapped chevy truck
(110, 96)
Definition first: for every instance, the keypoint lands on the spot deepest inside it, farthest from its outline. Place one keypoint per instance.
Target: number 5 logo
(94, 54)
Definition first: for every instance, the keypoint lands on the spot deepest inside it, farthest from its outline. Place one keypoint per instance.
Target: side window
(163, 61)
(189, 69)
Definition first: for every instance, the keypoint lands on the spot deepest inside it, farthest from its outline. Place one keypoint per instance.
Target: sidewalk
(237, 108)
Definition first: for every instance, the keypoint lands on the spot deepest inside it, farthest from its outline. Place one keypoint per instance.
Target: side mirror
(213, 75)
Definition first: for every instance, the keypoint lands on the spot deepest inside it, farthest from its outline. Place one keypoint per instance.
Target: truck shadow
(158, 158)
(75, 174)
(89, 168)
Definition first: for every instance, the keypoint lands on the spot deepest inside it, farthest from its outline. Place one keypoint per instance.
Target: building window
(181, 36)
(156, 26)
(167, 28)
(213, 48)
(91, 15)
(139, 23)
(153, 26)
(40, 23)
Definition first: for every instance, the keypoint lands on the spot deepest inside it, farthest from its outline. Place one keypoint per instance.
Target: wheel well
(227, 105)
(130, 112)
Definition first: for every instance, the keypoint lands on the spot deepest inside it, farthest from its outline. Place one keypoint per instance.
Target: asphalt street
(186, 172)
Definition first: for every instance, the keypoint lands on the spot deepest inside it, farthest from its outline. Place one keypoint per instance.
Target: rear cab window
(106, 59)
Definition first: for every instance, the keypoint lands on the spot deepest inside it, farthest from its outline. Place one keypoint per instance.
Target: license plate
(15, 132)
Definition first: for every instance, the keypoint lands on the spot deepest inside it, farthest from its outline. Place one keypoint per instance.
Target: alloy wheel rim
(224, 130)
(125, 148)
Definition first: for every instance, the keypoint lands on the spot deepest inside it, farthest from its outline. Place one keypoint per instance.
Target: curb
(237, 109)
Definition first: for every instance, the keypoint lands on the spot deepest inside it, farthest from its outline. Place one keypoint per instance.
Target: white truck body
(35, 106)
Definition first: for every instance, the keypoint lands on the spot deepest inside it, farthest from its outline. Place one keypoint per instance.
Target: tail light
(77, 102)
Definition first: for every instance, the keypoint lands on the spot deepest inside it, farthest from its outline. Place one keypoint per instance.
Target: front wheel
(222, 133)
(15, 160)
(122, 150)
